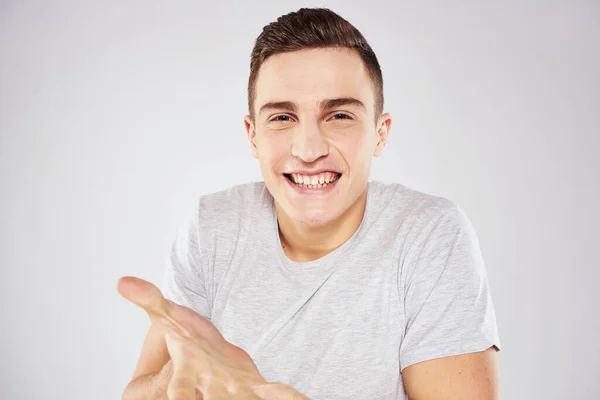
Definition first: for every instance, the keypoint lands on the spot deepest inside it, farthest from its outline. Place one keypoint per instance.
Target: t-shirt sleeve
(183, 281)
(447, 301)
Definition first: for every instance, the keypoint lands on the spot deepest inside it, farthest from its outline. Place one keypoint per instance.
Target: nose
(309, 144)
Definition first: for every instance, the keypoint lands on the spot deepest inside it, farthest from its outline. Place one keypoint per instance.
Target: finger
(196, 322)
(277, 391)
(184, 380)
(140, 292)
(215, 389)
(147, 296)
(183, 385)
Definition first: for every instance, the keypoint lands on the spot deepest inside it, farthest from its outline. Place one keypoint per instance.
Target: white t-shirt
(410, 285)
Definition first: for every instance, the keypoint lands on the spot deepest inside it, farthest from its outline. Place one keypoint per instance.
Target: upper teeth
(318, 179)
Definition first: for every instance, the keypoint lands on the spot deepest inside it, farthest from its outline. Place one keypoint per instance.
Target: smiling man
(340, 287)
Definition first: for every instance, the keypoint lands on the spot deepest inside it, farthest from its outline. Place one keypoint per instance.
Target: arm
(203, 361)
(471, 376)
(450, 341)
(153, 370)
(183, 283)
(152, 386)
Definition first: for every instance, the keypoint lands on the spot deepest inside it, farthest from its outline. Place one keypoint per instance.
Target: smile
(313, 183)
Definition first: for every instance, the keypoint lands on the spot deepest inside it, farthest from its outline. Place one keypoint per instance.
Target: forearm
(147, 387)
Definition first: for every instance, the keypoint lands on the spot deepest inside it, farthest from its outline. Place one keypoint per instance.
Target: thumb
(141, 293)
(147, 296)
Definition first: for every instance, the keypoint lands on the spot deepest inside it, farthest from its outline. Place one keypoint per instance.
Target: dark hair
(312, 28)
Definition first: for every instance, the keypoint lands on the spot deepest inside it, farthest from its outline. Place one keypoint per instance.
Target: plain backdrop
(116, 116)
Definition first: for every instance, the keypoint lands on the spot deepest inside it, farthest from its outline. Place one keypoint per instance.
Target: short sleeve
(447, 302)
(183, 281)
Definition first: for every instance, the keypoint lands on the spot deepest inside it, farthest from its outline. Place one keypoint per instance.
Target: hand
(202, 359)
(163, 378)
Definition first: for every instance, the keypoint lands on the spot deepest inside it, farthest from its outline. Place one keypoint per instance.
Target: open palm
(202, 359)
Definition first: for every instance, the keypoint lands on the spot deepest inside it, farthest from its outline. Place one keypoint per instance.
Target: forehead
(311, 75)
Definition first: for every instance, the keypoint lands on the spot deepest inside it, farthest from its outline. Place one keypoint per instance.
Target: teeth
(315, 181)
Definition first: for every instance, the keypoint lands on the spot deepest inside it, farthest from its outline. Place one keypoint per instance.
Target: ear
(383, 129)
(251, 132)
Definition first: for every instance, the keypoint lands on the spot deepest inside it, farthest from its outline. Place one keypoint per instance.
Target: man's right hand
(202, 360)
(164, 377)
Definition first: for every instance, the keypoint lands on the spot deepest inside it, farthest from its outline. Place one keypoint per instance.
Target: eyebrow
(324, 105)
(278, 105)
(342, 101)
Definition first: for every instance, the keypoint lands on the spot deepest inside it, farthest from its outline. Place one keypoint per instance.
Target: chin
(312, 219)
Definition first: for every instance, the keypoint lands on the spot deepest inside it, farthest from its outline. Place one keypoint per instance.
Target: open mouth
(317, 181)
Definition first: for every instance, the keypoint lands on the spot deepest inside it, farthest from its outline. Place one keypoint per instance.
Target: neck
(302, 243)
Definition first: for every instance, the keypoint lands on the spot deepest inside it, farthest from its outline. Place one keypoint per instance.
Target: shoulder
(234, 198)
(400, 204)
(232, 207)
(432, 232)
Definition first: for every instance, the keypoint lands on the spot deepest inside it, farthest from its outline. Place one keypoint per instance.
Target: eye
(281, 118)
(340, 116)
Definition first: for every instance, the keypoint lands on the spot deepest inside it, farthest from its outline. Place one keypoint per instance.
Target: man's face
(315, 131)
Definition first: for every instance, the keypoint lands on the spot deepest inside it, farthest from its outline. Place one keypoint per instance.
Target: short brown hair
(312, 28)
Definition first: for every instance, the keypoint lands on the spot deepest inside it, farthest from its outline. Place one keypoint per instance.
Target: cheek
(272, 149)
(356, 149)
(271, 159)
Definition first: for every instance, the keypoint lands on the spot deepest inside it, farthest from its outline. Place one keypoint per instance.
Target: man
(318, 283)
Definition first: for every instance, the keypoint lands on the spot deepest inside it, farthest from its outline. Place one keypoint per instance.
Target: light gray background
(114, 117)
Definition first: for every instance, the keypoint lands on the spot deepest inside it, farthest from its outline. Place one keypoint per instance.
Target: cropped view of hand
(202, 360)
